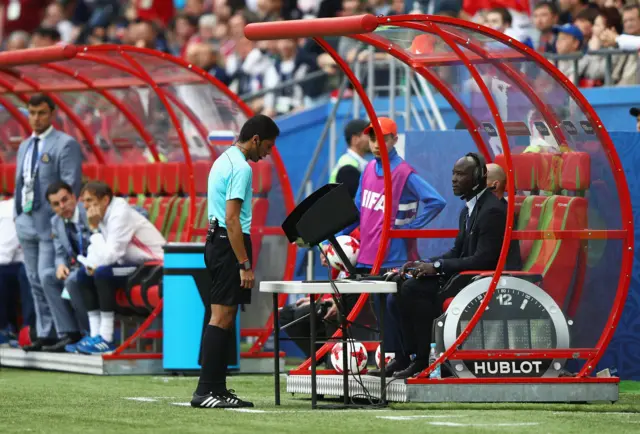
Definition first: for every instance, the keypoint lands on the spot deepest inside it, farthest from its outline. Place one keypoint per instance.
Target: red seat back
(8, 178)
(201, 175)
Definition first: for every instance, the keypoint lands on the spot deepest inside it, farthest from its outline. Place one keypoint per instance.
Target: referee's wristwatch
(246, 265)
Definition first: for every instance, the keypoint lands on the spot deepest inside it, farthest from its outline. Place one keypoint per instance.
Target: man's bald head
(497, 179)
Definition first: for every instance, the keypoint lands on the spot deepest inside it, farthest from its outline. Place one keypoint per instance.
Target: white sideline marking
(142, 399)
(249, 410)
(416, 417)
(582, 413)
(490, 425)
(182, 404)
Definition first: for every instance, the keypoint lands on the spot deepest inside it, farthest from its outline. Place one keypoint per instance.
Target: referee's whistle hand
(247, 279)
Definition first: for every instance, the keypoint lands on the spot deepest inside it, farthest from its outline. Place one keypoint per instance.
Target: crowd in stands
(209, 34)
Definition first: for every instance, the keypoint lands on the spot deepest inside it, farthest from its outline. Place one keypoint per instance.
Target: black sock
(213, 373)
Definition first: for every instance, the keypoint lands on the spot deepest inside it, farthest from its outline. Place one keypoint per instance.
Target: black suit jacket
(479, 247)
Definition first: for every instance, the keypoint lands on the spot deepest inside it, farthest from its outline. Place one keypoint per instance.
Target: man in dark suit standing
(46, 156)
(477, 247)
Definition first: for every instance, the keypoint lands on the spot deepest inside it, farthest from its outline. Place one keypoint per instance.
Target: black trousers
(419, 304)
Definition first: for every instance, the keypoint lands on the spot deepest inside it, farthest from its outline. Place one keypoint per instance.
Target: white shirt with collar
(26, 164)
(471, 203)
(125, 237)
(10, 249)
(362, 163)
(75, 219)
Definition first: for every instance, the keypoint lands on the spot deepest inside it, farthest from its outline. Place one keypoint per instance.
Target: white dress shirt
(10, 249)
(125, 237)
(471, 203)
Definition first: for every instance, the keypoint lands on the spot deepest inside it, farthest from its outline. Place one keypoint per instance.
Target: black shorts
(222, 265)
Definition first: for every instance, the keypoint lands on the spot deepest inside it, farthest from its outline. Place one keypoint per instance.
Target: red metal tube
(318, 27)
(37, 56)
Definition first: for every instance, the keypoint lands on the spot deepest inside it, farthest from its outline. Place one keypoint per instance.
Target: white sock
(106, 325)
(94, 323)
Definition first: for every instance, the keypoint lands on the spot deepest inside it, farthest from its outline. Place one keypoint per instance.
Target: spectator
(207, 57)
(568, 41)
(44, 37)
(45, 157)
(250, 70)
(592, 66)
(500, 19)
(70, 232)
(185, 27)
(14, 285)
(18, 40)
(569, 9)
(122, 240)
(635, 112)
(145, 34)
(292, 63)
(545, 17)
(585, 21)
(625, 69)
(207, 29)
(54, 18)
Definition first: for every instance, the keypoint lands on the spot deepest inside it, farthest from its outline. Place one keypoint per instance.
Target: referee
(227, 255)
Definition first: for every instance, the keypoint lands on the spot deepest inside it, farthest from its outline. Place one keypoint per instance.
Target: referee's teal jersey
(230, 178)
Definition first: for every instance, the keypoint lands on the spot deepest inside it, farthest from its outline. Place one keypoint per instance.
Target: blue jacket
(416, 189)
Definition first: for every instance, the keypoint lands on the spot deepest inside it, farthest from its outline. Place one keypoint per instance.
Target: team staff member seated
(70, 233)
(122, 240)
(415, 204)
(228, 255)
(477, 247)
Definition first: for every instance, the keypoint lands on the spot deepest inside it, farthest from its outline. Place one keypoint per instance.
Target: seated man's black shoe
(393, 366)
(232, 398)
(211, 400)
(38, 344)
(414, 368)
(58, 346)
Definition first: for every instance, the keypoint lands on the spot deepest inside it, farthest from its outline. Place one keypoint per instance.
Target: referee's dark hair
(97, 188)
(261, 126)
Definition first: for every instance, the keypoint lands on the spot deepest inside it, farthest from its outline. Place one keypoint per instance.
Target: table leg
(383, 365)
(276, 347)
(312, 349)
(345, 365)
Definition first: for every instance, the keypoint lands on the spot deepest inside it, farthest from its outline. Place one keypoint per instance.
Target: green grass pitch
(51, 402)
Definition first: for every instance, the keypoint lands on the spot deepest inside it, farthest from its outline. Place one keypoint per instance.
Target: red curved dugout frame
(63, 61)
(357, 29)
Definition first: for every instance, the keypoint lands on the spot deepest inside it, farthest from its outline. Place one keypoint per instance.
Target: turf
(33, 401)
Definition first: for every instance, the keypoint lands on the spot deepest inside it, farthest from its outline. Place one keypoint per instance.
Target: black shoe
(232, 398)
(211, 400)
(58, 347)
(38, 344)
(394, 365)
(414, 368)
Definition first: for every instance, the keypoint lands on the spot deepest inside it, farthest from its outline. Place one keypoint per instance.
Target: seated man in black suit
(477, 247)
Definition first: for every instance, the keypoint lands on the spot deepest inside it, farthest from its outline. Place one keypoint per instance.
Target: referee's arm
(234, 228)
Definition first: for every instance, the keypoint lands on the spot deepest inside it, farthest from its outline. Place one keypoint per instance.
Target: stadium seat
(575, 174)
(106, 174)
(549, 170)
(124, 179)
(201, 176)
(262, 177)
(90, 171)
(170, 175)
(153, 178)
(259, 219)
(8, 178)
(139, 178)
(528, 220)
